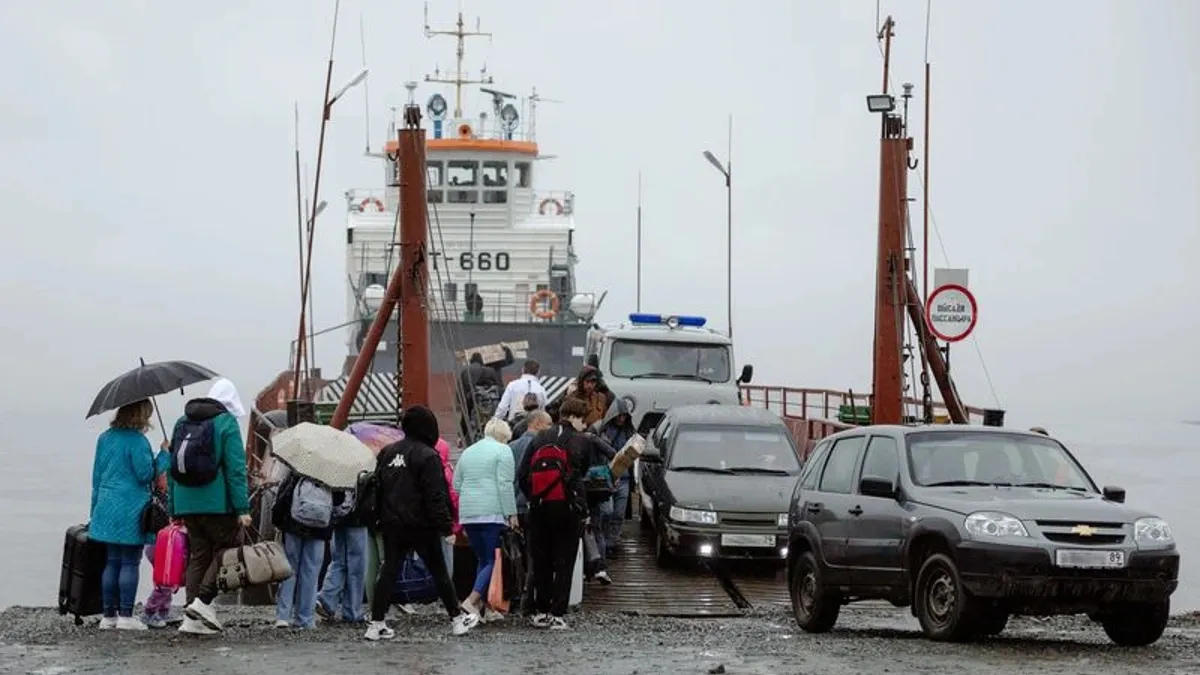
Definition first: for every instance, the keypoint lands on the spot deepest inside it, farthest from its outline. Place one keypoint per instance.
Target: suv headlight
(682, 515)
(783, 520)
(1152, 532)
(984, 524)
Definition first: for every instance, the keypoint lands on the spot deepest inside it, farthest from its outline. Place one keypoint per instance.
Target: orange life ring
(541, 298)
(550, 201)
(362, 206)
(465, 131)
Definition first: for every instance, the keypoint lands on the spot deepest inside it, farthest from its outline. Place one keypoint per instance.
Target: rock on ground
(875, 639)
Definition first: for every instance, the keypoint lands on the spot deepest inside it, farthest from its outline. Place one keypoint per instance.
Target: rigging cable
(937, 232)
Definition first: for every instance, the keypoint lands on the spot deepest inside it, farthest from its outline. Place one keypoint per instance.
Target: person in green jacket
(209, 493)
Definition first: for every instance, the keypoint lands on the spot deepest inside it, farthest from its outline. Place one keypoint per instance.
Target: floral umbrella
(374, 435)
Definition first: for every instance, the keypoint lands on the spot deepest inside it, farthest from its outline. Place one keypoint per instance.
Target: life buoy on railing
(544, 304)
(362, 206)
(549, 203)
(465, 131)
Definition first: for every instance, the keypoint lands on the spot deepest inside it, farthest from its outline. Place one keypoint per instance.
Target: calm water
(47, 488)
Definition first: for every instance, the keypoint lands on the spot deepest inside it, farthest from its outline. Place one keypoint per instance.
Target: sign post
(951, 313)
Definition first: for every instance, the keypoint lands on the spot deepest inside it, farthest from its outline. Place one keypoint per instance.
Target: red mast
(407, 284)
(887, 380)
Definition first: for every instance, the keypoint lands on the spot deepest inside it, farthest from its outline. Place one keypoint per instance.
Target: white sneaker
(108, 623)
(464, 622)
(202, 611)
(154, 621)
(540, 621)
(378, 630)
(469, 608)
(130, 623)
(195, 627)
(280, 623)
(491, 616)
(603, 578)
(558, 623)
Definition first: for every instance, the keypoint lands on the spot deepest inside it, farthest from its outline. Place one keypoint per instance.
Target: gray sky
(147, 184)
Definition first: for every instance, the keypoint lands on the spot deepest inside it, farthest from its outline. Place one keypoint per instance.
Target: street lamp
(354, 82)
(881, 103)
(727, 171)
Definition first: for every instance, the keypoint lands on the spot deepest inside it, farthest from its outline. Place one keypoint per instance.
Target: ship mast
(459, 80)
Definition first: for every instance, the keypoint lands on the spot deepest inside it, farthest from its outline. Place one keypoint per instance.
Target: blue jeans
(298, 593)
(345, 580)
(600, 515)
(119, 583)
(484, 539)
(616, 522)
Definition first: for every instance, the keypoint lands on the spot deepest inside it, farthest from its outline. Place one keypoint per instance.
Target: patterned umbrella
(374, 435)
(324, 454)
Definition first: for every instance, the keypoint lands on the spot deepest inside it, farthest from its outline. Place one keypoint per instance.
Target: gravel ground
(868, 638)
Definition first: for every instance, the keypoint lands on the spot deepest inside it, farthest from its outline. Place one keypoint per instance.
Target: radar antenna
(534, 99)
(460, 35)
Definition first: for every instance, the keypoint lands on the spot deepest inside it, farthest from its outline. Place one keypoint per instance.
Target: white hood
(224, 391)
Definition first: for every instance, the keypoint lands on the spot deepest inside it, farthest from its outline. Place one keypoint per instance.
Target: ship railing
(812, 414)
(550, 207)
(499, 306)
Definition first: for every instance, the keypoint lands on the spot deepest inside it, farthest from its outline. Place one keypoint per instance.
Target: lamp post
(305, 285)
(727, 171)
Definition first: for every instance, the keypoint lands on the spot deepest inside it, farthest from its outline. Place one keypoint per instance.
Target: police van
(654, 362)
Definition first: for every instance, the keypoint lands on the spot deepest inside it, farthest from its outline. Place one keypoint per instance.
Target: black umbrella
(147, 381)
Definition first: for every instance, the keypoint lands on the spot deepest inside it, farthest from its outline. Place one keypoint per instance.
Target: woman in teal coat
(122, 475)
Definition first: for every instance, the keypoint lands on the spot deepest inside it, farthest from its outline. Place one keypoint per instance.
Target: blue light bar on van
(672, 321)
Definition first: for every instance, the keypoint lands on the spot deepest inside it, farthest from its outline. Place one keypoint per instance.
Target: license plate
(1089, 559)
(748, 540)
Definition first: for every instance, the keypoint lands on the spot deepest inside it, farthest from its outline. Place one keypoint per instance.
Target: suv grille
(1083, 534)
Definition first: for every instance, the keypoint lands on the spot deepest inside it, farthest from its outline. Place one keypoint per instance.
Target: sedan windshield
(736, 450)
(670, 360)
(974, 458)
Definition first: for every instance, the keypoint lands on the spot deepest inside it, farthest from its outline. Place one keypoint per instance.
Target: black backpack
(194, 453)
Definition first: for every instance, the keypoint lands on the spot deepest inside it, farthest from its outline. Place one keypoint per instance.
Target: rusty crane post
(407, 285)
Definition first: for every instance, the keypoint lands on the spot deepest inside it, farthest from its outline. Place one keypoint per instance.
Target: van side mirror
(873, 486)
(747, 374)
(1114, 494)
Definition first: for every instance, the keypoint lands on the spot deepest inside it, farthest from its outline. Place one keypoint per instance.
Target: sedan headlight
(985, 524)
(782, 520)
(682, 515)
(1152, 532)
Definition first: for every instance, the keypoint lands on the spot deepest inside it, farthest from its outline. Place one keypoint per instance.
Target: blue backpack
(194, 453)
(414, 584)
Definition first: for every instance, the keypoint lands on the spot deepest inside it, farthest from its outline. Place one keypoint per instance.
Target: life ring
(539, 300)
(465, 131)
(558, 206)
(362, 206)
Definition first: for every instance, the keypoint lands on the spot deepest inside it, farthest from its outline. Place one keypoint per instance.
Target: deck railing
(542, 206)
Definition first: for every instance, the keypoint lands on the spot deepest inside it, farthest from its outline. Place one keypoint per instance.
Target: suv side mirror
(1114, 494)
(747, 374)
(873, 486)
(650, 454)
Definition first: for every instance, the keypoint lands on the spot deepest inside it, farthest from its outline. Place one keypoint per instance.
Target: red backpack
(549, 468)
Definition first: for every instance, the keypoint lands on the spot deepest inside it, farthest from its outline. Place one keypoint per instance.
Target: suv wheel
(943, 607)
(992, 622)
(1136, 624)
(815, 608)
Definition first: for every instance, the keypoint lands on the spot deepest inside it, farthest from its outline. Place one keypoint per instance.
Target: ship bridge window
(462, 172)
(524, 174)
(495, 174)
(435, 196)
(462, 196)
(435, 173)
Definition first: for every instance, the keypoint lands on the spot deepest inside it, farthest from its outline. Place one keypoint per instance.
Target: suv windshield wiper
(708, 469)
(759, 469)
(652, 374)
(957, 483)
(670, 376)
(1048, 486)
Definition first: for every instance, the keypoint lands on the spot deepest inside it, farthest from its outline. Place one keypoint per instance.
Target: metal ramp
(691, 590)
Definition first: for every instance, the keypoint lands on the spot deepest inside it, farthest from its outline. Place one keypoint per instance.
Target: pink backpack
(170, 556)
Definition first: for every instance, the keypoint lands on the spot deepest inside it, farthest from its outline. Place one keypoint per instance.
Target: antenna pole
(362, 36)
(299, 215)
(925, 188)
(729, 226)
(460, 34)
(639, 242)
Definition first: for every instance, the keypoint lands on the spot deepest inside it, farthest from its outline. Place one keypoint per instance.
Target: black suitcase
(82, 566)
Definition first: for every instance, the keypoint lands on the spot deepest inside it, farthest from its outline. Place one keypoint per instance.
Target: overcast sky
(147, 187)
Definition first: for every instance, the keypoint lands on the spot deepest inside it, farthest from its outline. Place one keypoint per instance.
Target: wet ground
(874, 638)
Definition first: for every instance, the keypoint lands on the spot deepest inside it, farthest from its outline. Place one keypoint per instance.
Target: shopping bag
(591, 550)
(512, 549)
(496, 598)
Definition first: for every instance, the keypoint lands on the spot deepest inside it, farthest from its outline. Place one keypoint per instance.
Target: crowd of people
(539, 474)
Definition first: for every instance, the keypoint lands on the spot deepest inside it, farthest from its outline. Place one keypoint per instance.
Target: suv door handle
(812, 508)
(856, 511)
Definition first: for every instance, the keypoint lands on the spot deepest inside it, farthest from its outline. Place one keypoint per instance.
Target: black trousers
(397, 545)
(554, 531)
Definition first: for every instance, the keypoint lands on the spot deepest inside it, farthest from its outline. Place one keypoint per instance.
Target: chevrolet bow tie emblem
(1083, 530)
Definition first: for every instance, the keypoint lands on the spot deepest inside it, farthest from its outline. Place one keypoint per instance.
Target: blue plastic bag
(414, 583)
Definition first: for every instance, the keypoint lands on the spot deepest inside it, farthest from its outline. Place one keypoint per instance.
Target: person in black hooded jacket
(414, 515)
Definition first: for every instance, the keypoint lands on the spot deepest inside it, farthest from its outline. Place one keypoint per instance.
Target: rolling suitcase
(82, 566)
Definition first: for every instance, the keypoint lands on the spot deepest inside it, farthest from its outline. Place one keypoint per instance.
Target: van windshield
(670, 360)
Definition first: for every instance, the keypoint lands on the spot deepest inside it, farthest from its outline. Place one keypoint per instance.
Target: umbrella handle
(162, 427)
